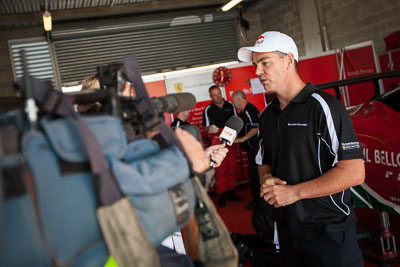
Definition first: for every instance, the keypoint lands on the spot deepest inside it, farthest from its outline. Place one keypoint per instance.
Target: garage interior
(177, 35)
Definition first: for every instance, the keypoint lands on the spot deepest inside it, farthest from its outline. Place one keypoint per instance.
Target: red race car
(377, 125)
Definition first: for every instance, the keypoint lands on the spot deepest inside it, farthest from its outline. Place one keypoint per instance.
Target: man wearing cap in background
(215, 116)
(309, 157)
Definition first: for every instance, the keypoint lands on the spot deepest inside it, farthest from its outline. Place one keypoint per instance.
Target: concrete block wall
(282, 16)
(346, 21)
(247, 38)
(354, 21)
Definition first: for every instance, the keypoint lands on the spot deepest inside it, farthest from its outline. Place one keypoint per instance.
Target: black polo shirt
(218, 116)
(301, 143)
(177, 123)
(250, 120)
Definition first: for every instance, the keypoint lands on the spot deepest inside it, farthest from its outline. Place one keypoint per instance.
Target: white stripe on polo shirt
(248, 116)
(206, 115)
(335, 145)
(234, 108)
(251, 121)
(260, 154)
(330, 124)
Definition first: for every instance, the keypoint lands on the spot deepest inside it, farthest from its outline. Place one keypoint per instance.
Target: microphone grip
(212, 163)
(223, 141)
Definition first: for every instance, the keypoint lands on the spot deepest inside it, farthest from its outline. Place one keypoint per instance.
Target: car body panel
(378, 129)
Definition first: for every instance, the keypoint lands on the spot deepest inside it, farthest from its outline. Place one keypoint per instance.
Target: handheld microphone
(232, 127)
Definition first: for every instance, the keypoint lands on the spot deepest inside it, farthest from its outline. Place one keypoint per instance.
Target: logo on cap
(260, 39)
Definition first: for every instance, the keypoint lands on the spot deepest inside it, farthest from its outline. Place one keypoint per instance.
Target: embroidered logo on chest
(297, 124)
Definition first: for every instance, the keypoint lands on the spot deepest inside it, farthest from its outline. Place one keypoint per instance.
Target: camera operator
(181, 119)
(90, 83)
(200, 160)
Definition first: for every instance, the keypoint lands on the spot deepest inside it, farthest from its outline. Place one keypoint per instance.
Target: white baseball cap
(270, 42)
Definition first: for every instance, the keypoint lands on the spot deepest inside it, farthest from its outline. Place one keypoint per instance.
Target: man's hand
(252, 132)
(277, 193)
(239, 140)
(216, 153)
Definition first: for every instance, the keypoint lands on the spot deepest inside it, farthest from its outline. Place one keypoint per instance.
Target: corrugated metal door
(160, 45)
(38, 58)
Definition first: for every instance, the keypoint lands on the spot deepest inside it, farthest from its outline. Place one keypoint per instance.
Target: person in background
(218, 111)
(181, 119)
(309, 157)
(90, 83)
(248, 140)
(215, 116)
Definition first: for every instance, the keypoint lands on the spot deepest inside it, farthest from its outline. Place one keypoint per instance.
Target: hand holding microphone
(232, 127)
(216, 154)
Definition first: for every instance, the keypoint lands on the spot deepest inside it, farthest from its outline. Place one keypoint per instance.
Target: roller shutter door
(160, 45)
(38, 58)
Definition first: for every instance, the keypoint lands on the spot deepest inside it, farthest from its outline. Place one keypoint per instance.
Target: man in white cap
(309, 157)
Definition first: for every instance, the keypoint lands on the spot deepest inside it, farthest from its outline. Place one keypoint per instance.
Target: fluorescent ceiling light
(231, 4)
(47, 21)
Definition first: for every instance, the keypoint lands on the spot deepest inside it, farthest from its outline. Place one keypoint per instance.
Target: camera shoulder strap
(145, 107)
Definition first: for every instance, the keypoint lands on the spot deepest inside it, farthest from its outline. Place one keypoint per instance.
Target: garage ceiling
(17, 13)
(12, 7)
(30, 6)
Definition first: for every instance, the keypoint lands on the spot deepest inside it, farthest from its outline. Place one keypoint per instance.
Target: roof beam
(7, 21)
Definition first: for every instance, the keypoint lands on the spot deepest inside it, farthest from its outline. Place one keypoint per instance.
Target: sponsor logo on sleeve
(350, 145)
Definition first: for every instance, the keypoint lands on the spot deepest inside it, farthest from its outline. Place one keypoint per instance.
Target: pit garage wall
(390, 60)
(340, 22)
(344, 63)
